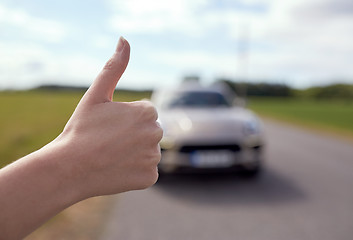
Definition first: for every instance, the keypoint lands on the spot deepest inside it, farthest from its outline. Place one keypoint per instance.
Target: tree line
(265, 89)
(261, 89)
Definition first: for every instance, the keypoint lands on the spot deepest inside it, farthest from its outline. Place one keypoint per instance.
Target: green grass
(331, 115)
(31, 119)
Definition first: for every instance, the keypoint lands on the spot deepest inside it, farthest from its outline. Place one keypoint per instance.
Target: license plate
(209, 159)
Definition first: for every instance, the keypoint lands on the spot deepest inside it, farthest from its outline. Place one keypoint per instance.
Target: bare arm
(105, 148)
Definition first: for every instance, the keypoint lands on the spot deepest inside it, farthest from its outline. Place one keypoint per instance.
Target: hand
(105, 148)
(113, 145)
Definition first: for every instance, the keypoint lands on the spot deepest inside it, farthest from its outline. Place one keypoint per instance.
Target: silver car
(204, 131)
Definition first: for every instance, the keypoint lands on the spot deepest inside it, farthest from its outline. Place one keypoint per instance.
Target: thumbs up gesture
(105, 148)
(113, 146)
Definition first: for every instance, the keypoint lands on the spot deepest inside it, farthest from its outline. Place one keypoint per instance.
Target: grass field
(30, 119)
(335, 116)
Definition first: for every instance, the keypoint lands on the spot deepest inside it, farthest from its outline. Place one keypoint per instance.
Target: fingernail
(120, 44)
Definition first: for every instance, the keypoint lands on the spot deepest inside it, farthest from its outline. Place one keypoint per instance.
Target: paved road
(305, 193)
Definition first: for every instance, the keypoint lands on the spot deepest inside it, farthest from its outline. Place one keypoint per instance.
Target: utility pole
(243, 58)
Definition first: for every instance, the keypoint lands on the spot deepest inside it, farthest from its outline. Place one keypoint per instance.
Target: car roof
(158, 97)
(191, 87)
(195, 87)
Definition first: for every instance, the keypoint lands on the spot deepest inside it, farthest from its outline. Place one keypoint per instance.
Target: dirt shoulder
(84, 220)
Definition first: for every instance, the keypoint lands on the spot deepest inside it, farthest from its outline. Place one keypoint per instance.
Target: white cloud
(195, 61)
(35, 27)
(23, 66)
(302, 41)
(313, 44)
(138, 16)
(295, 40)
(145, 79)
(102, 41)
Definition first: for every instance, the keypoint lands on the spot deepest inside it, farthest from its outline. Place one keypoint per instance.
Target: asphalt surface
(305, 192)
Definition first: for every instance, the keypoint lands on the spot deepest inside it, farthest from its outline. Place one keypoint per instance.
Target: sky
(300, 43)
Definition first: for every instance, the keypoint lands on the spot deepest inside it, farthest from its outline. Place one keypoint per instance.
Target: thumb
(102, 89)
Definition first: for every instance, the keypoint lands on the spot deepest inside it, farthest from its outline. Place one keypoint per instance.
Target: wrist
(38, 186)
(59, 160)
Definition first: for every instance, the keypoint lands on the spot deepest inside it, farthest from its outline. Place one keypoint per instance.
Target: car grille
(192, 148)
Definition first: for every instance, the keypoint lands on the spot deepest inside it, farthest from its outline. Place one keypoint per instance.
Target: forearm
(34, 189)
(96, 154)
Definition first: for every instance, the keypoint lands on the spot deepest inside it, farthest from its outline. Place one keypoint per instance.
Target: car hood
(205, 122)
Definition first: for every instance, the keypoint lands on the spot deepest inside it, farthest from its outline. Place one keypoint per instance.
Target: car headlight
(167, 141)
(251, 127)
(185, 124)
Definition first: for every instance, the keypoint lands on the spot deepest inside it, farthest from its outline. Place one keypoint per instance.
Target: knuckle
(151, 111)
(113, 63)
(154, 135)
(154, 155)
(159, 133)
(109, 64)
(147, 110)
(150, 178)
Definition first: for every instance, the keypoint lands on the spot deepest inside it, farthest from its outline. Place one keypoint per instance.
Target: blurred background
(290, 60)
(300, 43)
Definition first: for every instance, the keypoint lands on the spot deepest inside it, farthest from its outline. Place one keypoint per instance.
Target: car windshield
(196, 99)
